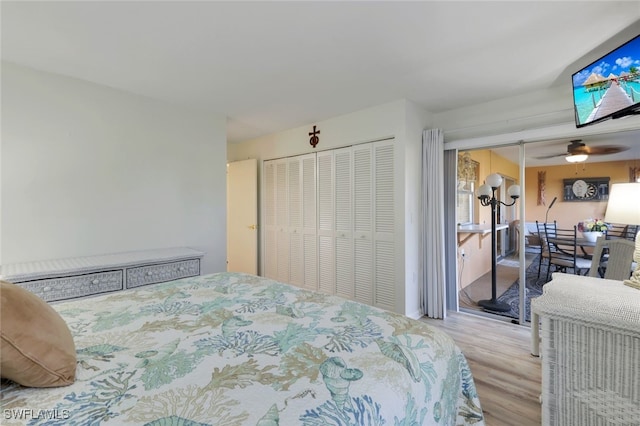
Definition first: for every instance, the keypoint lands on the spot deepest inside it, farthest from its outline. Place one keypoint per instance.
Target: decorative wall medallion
(314, 139)
(586, 189)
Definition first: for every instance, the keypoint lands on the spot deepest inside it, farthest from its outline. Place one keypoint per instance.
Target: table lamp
(624, 208)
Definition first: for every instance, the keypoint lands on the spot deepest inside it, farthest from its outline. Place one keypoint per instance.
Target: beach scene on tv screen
(608, 85)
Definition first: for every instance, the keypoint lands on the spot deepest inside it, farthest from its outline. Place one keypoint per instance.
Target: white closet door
(363, 223)
(309, 225)
(384, 225)
(329, 222)
(343, 184)
(269, 254)
(296, 254)
(326, 223)
(282, 221)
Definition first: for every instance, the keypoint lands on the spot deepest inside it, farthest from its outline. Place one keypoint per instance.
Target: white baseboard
(415, 315)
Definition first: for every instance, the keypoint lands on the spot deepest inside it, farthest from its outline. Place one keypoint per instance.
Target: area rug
(513, 263)
(534, 289)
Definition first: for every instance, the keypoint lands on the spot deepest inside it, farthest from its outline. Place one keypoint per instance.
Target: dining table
(580, 242)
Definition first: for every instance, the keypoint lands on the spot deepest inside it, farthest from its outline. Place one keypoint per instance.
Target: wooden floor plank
(507, 377)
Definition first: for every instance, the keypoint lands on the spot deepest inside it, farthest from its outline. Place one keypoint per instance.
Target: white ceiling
(270, 66)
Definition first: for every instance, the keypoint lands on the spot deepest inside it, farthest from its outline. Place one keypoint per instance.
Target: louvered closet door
(330, 222)
(363, 223)
(270, 265)
(343, 184)
(282, 221)
(384, 220)
(303, 251)
(326, 223)
(309, 225)
(296, 255)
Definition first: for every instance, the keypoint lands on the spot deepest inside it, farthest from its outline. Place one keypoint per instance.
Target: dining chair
(598, 255)
(627, 232)
(563, 252)
(544, 229)
(617, 264)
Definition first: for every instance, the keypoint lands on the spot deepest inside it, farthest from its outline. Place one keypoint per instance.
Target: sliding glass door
(553, 190)
(487, 254)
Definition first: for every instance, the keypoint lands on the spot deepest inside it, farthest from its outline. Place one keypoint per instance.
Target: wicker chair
(597, 270)
(617, 264)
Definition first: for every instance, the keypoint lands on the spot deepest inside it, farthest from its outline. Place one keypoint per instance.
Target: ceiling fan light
(577, 158)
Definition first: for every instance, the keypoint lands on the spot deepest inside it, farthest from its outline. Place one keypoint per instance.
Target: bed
(236, 349)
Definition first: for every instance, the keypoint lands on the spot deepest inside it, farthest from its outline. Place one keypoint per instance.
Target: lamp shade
(513, 191)
(484, 191)
(494, 180)
(624, 204)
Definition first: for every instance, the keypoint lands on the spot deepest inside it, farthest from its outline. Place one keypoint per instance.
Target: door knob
(253, 226)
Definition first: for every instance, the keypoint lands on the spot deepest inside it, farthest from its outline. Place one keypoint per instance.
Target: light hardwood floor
(507, 376)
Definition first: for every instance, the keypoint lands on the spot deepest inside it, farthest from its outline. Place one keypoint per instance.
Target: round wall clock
(582, 189)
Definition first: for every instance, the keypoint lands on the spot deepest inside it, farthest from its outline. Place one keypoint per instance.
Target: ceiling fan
(578, 151)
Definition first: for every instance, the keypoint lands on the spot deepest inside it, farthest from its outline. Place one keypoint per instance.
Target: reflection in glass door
(541, 169)
(507, 215)
(474, 236)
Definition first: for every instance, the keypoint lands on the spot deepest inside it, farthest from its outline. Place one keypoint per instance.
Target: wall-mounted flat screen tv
(608, 87)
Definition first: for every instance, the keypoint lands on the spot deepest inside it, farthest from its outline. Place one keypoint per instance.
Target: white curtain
(433, 258)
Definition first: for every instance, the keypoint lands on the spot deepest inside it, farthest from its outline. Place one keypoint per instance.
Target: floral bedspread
(236, 349)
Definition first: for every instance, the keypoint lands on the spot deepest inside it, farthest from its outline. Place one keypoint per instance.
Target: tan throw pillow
(37, 348)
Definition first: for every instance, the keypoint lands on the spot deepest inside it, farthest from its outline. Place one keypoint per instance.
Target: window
(464, 208)
(467, 176)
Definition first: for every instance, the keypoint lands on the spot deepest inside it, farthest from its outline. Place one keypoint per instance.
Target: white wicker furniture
(590, 351)
(619, 262)
(71, 278)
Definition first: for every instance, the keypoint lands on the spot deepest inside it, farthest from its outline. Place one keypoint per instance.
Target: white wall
(87, 170)
(379, 122)
(416, 120)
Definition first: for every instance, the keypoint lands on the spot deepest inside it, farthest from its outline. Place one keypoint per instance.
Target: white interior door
(242, 216)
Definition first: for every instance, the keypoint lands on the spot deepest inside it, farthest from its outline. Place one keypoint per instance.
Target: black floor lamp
(487, 196)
